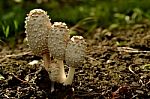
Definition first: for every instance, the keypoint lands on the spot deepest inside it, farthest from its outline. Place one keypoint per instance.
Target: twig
(14, 55)
(130, 50)
(148, 82)
(87, 93)
(130, 69)
(23, 81)
(6, 96)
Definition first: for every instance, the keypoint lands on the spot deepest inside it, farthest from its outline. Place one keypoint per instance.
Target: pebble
(139, 91)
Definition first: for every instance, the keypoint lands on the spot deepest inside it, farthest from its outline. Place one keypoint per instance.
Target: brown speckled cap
(58, 39)
(75, 51)
(37, 25)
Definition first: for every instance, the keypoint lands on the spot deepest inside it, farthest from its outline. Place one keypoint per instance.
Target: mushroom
(57, 42)
(74, 56)
(37, 25)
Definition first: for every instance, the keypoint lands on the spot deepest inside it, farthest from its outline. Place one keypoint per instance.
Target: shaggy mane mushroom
(74, 56)
(37, 25)
(57, 42)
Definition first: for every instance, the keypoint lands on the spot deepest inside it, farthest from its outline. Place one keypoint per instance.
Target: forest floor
(117, 66)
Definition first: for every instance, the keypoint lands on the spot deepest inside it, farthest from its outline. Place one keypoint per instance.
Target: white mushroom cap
(57, 40)
(75, 51)
(37, 25)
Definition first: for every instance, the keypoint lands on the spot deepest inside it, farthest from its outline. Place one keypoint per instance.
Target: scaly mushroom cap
(37, 25)
(75, 51)
(57, 40)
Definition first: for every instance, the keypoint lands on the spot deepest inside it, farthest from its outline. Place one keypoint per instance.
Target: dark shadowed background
(84, 16)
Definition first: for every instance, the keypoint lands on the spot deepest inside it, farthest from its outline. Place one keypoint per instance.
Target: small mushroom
(57, 42)
(37, 25)
(74, 56)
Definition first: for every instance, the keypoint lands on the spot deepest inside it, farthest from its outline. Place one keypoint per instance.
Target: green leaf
(1, 77)
(16, 25)
(114, 26)
(146, 67)
(5, 30)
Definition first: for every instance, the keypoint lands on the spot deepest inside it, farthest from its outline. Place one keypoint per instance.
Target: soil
(117, 66)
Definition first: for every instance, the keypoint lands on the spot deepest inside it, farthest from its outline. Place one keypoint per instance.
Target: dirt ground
(117, 66)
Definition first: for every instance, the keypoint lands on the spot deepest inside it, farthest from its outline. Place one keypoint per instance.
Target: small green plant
(9, 33)
(88, 15)
(5, 30)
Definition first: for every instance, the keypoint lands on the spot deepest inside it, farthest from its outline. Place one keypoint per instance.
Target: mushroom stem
(62, 75)
(70, 76)
(52, 86)
(47, 61)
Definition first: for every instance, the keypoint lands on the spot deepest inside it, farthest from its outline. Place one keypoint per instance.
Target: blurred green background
(82, 16)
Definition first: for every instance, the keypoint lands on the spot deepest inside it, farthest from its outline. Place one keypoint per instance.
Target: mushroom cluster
(52, 41)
